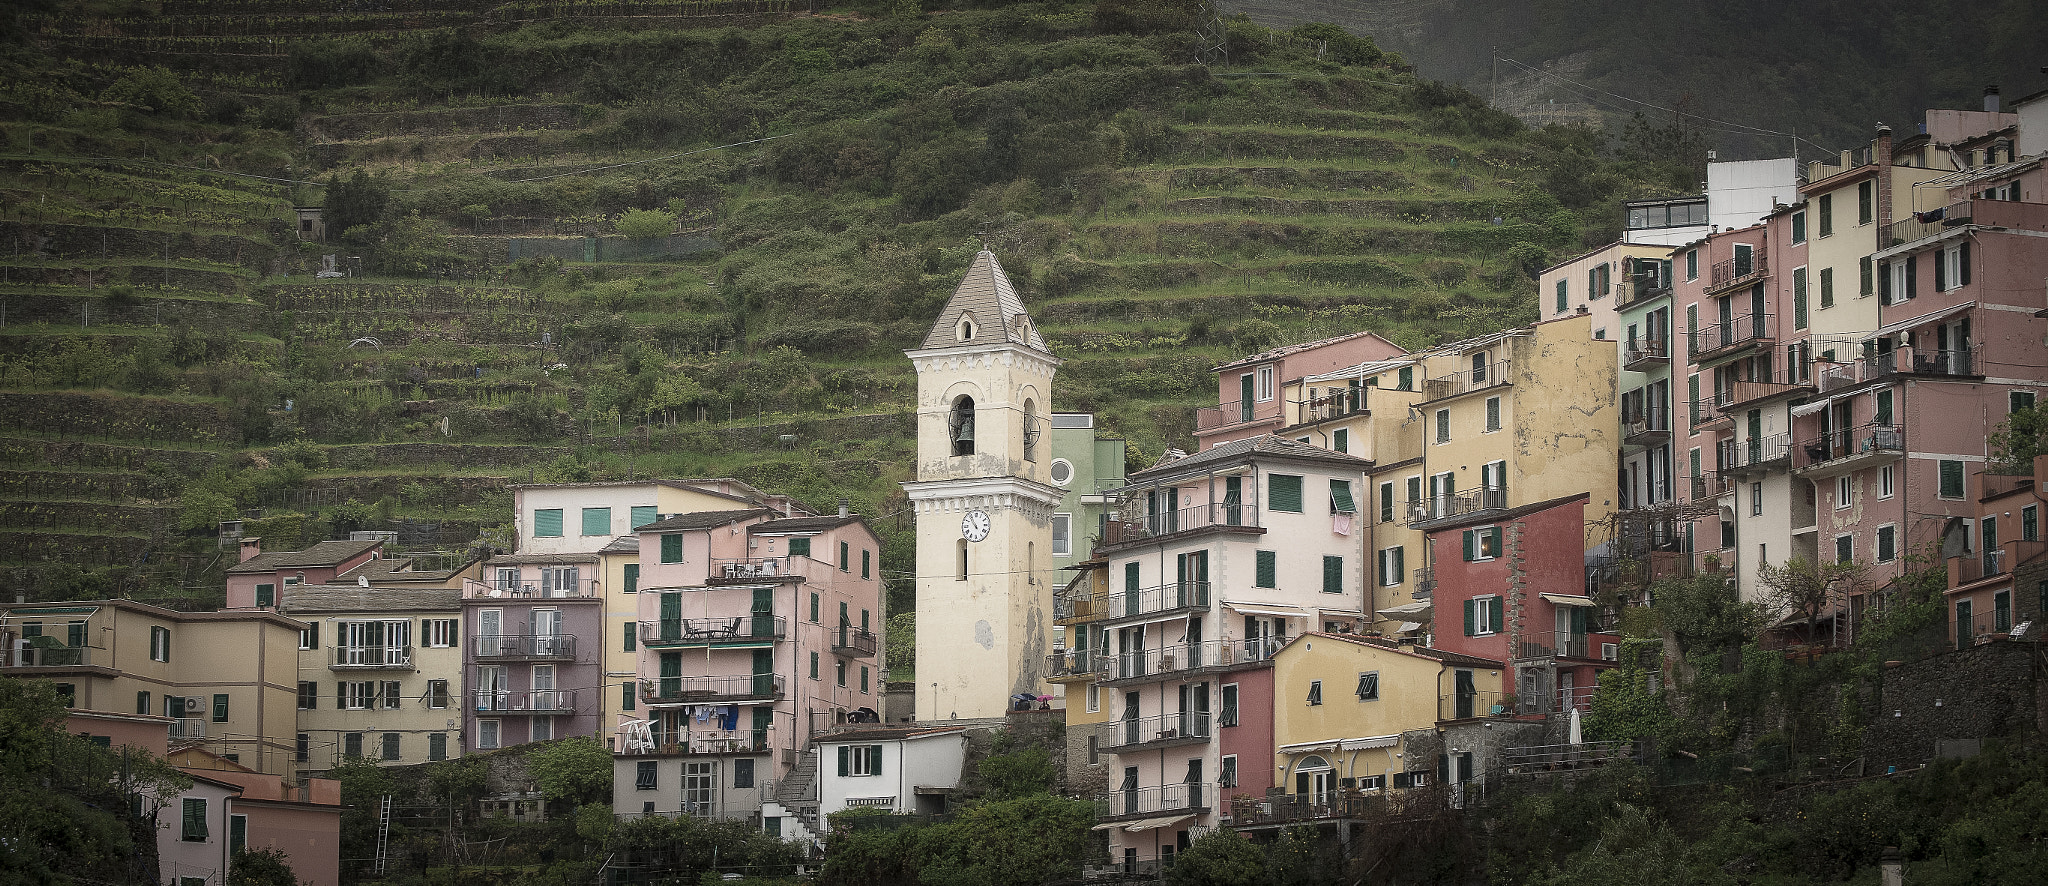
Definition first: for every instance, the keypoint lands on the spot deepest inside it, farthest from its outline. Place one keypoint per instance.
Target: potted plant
(1509, 703)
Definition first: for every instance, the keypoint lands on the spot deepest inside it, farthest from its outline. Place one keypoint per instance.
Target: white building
(901, 770)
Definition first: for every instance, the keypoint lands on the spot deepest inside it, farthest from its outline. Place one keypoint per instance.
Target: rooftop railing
(1466, 381)
(528, 590)
(1332, 404)
(33, 656)
(1903, 359)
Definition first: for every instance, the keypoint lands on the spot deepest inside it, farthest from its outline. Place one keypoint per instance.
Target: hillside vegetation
(588, 240)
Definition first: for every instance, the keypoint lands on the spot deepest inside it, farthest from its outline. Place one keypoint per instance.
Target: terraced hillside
(569, 240)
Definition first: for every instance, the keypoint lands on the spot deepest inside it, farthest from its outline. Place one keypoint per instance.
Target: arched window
(960, 426)
(1031, 431)
(966, 328)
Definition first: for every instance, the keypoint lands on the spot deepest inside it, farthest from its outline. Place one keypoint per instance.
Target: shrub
(644, 224)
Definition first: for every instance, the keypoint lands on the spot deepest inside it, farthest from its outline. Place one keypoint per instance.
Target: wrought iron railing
(1905, 359)
(1714, 337)
(1645, 350)
(369, 657)
(1132, 732)
(524, 645)
(1848, 442)
(711, 689)
(1466, 381)
(1754, 452)
(717, 629)
(849, 640)
(1740, 269)
(1181, 520)
(532, 701)
(1331, 404)
(1192, 796)
(1223, 414)
(1457, 504)
(1164, 598)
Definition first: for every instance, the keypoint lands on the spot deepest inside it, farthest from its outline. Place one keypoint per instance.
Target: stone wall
(1988, 691)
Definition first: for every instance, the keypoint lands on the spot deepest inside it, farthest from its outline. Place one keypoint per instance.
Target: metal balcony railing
(1738, 270)
(1132, 732)
(1743, 393)
(731, 687)
(1181, 520)
(1189, 797)
(750, 569)
(1457, 504)
(188, 728)
(849, 640)
(546, 702)
(1905, 359)
(1465, 381)
(1911, 228)
(1332, 404)
(1844, 443)
(1069, 664)
(1984, 627)
(718, 629)
(33, 656)
(1565, 756)
(473, 589)
(1094, 604)
(1718, 336)
(1164, 598)
(1186, 657)
(1755, 453)
(1710, 484)
(1466, 705)
(370, 658)
(1556, 644)
(1644, 352)
(1425, 582)
(535, 646)
(1224, 414)
(1652, 422)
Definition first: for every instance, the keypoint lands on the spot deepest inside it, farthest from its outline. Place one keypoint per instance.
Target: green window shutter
(1798, 298)
(632, 576)
(1333, 575)
(1499, 613)
(195, 820)
(626, 700)
(1864, 273)
(845, 560)
(1131, 578)
(1951, 479)
(642, 515)
(220, 708)
(266, 595)
(1471, 619)
(1963, 264)
(1341, 440)
(843, 749)
(1340, 497)
(1386, 502)
(672, 547)
(238, 833)
(1268, 568)
(597, 521)
(1400, 563)
(1692, 388)
(1493, 413)
(867, 559)
(814, 663)
(1407, 378)
(1284, 493)
(437, 743)
(814, 607)
(874, 759)
(800, 547)
(1471, 546)
(629, 634)
(547, 523)
(1561, 295)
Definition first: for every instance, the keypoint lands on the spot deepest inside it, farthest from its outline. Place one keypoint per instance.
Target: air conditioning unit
(1610, 652)
(195, 706)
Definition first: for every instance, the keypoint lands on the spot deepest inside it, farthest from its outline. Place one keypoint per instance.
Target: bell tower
(984, 506)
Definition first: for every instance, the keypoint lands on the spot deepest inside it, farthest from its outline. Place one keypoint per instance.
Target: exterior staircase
(796, 802)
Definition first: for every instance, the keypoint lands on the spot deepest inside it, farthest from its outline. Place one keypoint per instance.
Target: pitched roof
(624, 544)
(1263, 445)
(804, 524)
(1443, 655)
(986, 293)
(326, 553)
(1477, 517)
(702, 520)
(1284, 350)
(887, 733)
(354, 598)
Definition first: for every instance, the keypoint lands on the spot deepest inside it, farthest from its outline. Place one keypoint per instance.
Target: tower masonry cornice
(970, 357)
(1036, 500)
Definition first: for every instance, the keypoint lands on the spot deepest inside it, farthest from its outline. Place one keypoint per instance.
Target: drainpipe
(1883, 162)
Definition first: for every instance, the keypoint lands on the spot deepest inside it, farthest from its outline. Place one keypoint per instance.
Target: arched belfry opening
(960, 426)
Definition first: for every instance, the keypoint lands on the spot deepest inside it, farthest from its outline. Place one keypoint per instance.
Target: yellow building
(1355, 717)
(380, 673)
(1077, 665)
(227, 680)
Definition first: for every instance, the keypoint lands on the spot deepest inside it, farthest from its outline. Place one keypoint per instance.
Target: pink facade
(1249, 390)
(531, 660)
(755, 633)
(2003, 584)
(256, 580)
(1249, 735)
(1510, 587)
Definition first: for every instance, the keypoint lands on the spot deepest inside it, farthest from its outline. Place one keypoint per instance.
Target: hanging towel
(1340, 523)
(730, 718)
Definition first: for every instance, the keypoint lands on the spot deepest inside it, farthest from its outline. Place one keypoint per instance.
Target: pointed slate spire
(984, 310)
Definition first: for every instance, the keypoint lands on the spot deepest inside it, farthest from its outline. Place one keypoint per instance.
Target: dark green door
(1962, 625)
(764, 672)
(1756, 436)
(764, 613)
(1233, 501)
(762, 717)
(1244, 397)
(671, 675)
(671, 616)
(1466, 692)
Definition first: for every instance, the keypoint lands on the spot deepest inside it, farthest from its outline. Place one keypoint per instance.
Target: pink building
(1244, 730)
(531, 660)
(2004, 584)
(255, 580)
(756, 632)
(1249, 389)
(1511, 587)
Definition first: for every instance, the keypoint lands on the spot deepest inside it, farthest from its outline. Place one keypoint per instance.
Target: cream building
(380, 673)
(984, 501)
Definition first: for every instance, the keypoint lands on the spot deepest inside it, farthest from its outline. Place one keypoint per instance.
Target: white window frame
(1391, 578)
(358, 695)
(1756, 498)
(1443, 426)
(1493, 416)
(1226, 771)
(1264, 390)
(1885, 486)
(429, 698)
(540, 729)
(159, 643)
(1062, 535)
(1896, 269)
(1094, 698)
(1482, 614)
(1952, 268)
(857, 762)
(440, 633)
(1845, 491)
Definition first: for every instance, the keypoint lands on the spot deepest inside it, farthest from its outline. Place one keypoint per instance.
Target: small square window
(1369, 686)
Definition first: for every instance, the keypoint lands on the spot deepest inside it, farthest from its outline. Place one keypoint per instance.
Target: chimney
(251, 546)
(1883, 162)
(842, 507)
(1891, 867)
(1991, 99)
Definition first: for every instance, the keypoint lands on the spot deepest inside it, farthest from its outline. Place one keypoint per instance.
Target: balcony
(1710, 484)
(751, 570)
(1543, 758)
(1333, 404)
(1911, 228)
(1425, 582)
(1557, 644)
(1465, 381)
(1754, 454)
(1965, 362)
(1089, 606)
(491, 590)
(188, 729)
(525, 647)
(1466, 705)
(852, 642)
(538, 702)
(1075, 665)
(1134, 802)
(712, 690)
(1645, 354)
(1285, 810)
(1170, 662)
(1165, 730)
(1648, 427)
(1849, 449)
(1705, 415)
(1726, 337)
(1738, 271)
(1456, 504)
(370, 658)
(1158, 600)
(1223, 516)
(748, 629)
(36, 655)
(1746, 394)
(1209, 418)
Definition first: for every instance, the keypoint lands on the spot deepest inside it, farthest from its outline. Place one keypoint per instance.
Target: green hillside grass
(1161, 213)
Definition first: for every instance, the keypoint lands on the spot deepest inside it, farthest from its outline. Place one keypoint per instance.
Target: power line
(1739, 128)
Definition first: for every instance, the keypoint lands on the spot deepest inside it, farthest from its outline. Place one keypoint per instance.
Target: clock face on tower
(974, 526)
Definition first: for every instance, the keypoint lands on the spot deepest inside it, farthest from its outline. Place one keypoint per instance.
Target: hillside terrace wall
(1989, 691)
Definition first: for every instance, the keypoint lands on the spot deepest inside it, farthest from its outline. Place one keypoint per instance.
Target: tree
(646, 224)
(359, 201)
(157, 90)
(1020, 773)
(2015, 442)
(574, 771)
(1807, 589)
(1219, 858)
(261, 867)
